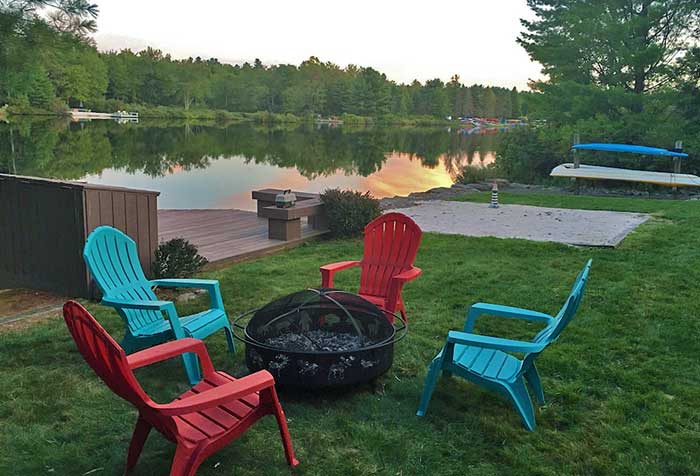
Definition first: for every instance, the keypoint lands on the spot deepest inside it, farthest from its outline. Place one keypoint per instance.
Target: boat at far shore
(332, 121)
(80, 114)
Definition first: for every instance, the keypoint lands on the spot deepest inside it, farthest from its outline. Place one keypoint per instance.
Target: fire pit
(319, 338)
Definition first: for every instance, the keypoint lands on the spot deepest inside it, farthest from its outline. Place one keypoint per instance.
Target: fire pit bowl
(319, 338)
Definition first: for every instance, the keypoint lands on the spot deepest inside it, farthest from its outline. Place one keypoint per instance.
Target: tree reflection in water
(412, 158)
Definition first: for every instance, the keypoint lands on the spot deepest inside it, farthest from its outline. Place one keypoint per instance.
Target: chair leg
(521, 400)
(185, 462)
(533, 379)
(192, 368)
(429, 385)
(229, 339)
(138, 439)
(284, 429)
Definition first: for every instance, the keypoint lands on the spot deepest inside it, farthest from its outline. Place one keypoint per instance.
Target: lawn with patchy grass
(622, 383)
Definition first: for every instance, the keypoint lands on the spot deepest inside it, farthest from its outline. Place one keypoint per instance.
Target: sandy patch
(562, 225)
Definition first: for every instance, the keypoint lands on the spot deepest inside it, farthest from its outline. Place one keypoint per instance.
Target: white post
(494, 195)
(577, 161)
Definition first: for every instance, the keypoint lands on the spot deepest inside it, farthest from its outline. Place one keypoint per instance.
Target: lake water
(218, 166)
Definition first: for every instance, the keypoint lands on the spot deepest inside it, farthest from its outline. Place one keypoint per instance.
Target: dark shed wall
(44, 225)
(41, 236)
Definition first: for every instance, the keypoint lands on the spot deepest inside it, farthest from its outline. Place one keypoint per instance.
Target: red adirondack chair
(201, 421)
(391, 245)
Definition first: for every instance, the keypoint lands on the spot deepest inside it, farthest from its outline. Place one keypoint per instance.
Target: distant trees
(46, 61)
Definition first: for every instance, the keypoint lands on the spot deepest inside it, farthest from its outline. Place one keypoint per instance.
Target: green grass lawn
(622, 383)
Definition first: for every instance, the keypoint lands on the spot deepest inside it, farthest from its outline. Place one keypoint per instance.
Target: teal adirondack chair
(113, 261)
(487, 361)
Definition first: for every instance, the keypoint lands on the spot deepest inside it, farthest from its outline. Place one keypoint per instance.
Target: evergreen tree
(610, 43)
(515, 103)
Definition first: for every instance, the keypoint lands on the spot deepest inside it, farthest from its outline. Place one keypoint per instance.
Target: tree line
(48, 61)
(623, 71)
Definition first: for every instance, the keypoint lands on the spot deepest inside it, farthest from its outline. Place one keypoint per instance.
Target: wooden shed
(44, 224)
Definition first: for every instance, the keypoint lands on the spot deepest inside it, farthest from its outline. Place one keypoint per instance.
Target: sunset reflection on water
(218, 167)
(401, 174)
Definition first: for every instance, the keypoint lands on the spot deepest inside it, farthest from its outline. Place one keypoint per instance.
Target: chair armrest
(408, 275)
(210, 285)
(185, 283)
(481, 308)
(329, 270)
(396, 283)
(221, 394)
(172, 349)
(164, 306)
(132, 304)
(488, 342)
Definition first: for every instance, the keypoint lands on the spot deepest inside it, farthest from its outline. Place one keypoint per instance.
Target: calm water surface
(217, 166)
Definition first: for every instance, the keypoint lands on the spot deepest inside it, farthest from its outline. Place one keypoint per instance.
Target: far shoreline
(218, 115)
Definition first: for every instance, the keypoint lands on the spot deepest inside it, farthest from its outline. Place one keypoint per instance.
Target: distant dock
(86, 114)
(332, 121)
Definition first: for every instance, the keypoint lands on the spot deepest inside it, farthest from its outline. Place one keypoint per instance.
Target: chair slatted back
(113, 261)
(568, 310)
(103, 354)
(390, 247)
(552, 332)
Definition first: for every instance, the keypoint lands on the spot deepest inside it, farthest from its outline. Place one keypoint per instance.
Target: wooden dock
(225, 236)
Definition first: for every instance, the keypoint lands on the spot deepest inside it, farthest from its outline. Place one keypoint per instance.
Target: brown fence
(44, 225)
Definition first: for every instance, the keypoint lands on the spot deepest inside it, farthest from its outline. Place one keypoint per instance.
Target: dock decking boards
(224, 236)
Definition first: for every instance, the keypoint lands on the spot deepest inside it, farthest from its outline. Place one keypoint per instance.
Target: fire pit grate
(317, 341)
(318, 338)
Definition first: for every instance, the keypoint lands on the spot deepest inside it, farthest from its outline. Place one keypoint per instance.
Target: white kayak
(594, 172)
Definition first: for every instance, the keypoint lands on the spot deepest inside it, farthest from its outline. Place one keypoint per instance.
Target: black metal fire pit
(319, 338)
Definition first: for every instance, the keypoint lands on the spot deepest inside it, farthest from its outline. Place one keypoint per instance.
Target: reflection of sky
(228, 182)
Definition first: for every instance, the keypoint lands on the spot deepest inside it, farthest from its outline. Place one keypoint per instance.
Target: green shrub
(177, 258)
(348, 211)
(474, 174)
(528, 155)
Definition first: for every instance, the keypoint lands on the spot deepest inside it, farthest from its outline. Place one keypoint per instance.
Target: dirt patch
(25, 322)
(24, 301)
(21, 308)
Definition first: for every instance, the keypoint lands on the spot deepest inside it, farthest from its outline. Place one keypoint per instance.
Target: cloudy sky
(405, 39)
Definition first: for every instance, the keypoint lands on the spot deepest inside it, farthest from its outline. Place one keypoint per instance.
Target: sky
(406, 39)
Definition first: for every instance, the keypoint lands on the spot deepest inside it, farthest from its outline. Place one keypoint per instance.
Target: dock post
(678, 147)
(577, 162)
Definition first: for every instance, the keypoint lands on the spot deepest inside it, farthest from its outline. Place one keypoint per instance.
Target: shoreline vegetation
(224, 116)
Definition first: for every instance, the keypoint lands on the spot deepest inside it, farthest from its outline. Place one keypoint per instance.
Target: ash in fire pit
(320, 337)
(318, 341)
